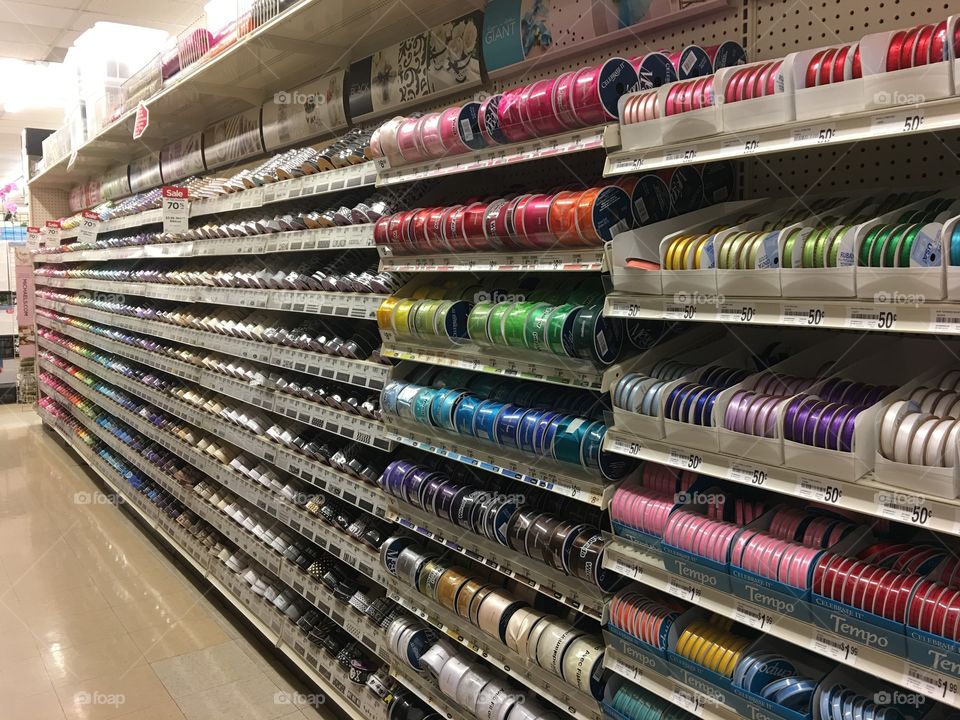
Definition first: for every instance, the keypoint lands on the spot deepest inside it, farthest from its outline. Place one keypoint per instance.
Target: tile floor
(97, 622)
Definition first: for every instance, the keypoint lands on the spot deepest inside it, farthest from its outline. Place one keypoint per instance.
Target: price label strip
(833, 647)
(932, 685)
(803, 315)
(819, 490)
(754, 617)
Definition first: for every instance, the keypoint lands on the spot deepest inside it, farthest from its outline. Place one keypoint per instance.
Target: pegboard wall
(48, 204)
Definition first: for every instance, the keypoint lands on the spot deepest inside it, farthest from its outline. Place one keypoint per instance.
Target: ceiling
(44, 29)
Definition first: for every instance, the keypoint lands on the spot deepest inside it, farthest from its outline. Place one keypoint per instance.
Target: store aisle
(97, 622)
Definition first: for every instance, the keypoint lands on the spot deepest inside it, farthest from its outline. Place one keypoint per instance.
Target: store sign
(142, 121)
(440, 60)
(176, 209)
(315, 108)
(34, 237)
(89, 227)
(51, 234)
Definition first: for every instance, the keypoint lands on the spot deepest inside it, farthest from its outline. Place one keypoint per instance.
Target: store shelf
(498, 156)
(279, 55)
(354, 427)
(329, 677)
(887, 313)
(867, 496)
(363, 373)
(645, 566)
(538, 680)
(357, 306)
(672, 690)
(552, 260)
(799, 137)
(541, 472)
(497, 361)
(347, 237)
(426, 691)
(571, 591)
(366, 497)
(338, 544)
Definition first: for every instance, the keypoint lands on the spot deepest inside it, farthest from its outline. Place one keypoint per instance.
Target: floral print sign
(445, 57)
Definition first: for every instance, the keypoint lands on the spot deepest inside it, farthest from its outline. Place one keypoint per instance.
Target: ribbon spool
(726, 54)
(686, 190)
(691, 62)
(468, 126)
(563, 101)
(389, 143)
(541, 113)
(489, 121)
(597, 90)
(430, 138)
(653, 70)
(450, 132)
(601, 212)
(408, 140)
(510, 116)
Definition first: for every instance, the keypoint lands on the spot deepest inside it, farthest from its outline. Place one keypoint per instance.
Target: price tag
(51, 234)
(754, 617)
(904, 507)
(737, 312)
(34, 235)
(745, 145)
(678, 311)
(945, 320)
(931, 684)
(624, 447)
(684, 590)
(687, 698)
(681, 156)
(626, 669)
(833, 647)
(176, 209)
(89, 227)
(747, 474)
(684, 459)
(908, 122)
(626, 569)
(805, 315)
(869, 317)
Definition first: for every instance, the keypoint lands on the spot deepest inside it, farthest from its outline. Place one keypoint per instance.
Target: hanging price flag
(176, 209)
(51, 234)
(89, 227)
(142, 121)
(33, 237)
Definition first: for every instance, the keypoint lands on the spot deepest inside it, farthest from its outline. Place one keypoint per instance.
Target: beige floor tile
(163, 608)
(77, 628)
(202, 669)
(164, 711)
(110, 656)
(186, 635)
(254, 698)
(78, 600)
(112, 695)
(25, 677)
(42, 706)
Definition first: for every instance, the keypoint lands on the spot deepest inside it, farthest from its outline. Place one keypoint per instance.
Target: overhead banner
(313, 109)
(182, 158)
(233, 139)
(518, 30)
(436, 61)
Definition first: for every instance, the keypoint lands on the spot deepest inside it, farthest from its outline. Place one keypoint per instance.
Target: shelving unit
(894, 148)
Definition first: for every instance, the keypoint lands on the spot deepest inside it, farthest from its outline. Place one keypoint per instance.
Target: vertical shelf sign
(89, 227)
(51, 234)
(34, 237)
(176, 209)
(142, 121)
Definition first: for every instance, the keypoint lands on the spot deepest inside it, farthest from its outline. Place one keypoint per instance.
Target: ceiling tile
(24, 51)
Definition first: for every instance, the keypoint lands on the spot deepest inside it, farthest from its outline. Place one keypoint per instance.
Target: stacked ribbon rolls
(923, 429)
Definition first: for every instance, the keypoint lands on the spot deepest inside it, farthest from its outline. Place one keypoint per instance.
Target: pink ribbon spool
(540, 111)
(534, 224)
(408, 140)
(406, 231)
(511, 122)
(430, 138)
(473, 231)
(393, 232)
(563, 109)
(389, 142)
(508, 220)
(586, 96)
(375, 149)
(450, 133)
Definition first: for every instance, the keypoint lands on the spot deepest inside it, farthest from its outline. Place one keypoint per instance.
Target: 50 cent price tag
(804, 315)
(819, 490)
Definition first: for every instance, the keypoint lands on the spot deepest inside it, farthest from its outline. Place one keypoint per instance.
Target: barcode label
(946, 320)
(754, 617)
(929, 683)
(835, 648)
